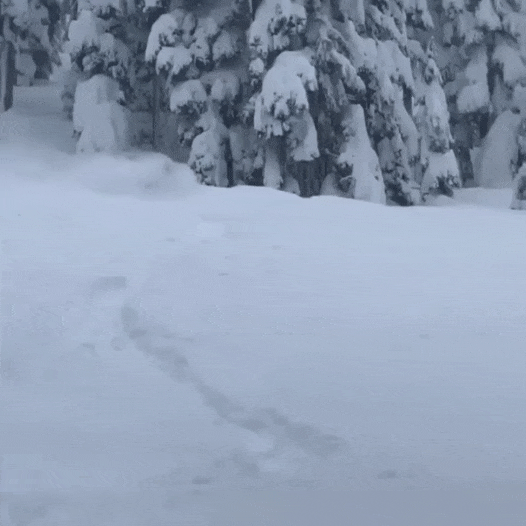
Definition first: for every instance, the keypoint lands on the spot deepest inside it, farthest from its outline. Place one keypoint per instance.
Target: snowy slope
(166, 346)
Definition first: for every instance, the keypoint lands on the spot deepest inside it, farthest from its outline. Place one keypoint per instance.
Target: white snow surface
(181, 355)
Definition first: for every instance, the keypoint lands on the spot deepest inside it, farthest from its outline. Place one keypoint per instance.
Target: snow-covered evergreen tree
(440, 171)
(348, 162)
(283, 93)
(104, 42)
(32, 27)
(197, 52)
(386, 66)
(483, 60)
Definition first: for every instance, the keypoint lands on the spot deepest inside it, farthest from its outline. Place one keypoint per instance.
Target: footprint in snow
(109, 284)
(269, 421)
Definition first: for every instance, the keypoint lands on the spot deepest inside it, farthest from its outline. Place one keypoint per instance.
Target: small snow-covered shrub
(101, 123)
(441, 174)
(208, 156)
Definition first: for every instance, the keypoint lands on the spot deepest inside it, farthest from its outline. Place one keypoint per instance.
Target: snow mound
(484, 197)
(138, 174)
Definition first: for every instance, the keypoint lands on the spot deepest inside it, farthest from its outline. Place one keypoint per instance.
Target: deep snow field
(179, 355)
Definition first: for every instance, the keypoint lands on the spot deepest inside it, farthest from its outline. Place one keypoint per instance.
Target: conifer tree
(198, 53)
(483, 61)
(29, 31)
(103, 53)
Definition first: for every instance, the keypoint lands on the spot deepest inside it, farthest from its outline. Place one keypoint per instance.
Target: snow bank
(162, 357)
(136, 174)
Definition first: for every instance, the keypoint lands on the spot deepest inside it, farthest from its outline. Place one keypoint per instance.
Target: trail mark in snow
(108, 283)
(162, 346)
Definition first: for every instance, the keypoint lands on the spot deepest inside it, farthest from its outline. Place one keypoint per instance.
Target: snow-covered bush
(282, 111)
(101, 44)
(100, 122)
(208, 158)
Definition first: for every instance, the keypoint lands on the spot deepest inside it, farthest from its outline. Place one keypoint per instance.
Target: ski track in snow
(162, 346)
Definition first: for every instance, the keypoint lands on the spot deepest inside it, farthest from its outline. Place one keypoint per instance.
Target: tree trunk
(156, 110)
(7, 74)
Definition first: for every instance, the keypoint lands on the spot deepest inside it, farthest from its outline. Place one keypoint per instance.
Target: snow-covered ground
(171, 350)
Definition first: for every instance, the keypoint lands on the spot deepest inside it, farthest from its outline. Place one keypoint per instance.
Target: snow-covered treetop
(88, 36)
(179, 40)
(85, 31)
(511, 61)
(274, 22)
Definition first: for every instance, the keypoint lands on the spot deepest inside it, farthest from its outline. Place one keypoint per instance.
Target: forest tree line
(389, 101)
